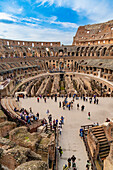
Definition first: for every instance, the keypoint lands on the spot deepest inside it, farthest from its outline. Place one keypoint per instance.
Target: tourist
(15, 109)
(60, 104)
(50, 126)
(94, 100)
(89, 115)
(60, 124)
(69, 162)
(82, 108)
(60, 151)
(97, 101)
(47, 111)
(97, 124)
(56, 121)
(60, 130)
(50, 118)
(62, 119)
(78, 106)
(88, 165)
(53, 122)
(65, 167)
(90, 100)
(37, 115)
(69, 106)
(63, 104)
(17, 98)
(30, 110)
(45, 99)
(81, 133)
(86, 98)
(38, 99)
(73, 158)
(55, 98)
(107, 120)
(48, 96)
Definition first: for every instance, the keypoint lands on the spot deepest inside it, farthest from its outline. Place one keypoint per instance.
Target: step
(104, 152)
(104, 149)
(97, 127)
(98, 135)
(104, 155)
(104, 145)
(102, 140)
(98, 132)
(101, 137)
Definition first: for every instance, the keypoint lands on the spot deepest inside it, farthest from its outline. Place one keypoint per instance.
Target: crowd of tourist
(54, 124)
(26, 116)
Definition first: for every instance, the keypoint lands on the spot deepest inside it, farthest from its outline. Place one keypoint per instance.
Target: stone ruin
(22, 149)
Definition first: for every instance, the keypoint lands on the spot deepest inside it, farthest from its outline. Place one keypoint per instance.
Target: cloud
(8, 17)
(95, 10)
(19, 32)
(34, 22)
(11, 7)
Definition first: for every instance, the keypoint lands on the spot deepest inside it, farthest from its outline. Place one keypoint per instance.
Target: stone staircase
(104, 146)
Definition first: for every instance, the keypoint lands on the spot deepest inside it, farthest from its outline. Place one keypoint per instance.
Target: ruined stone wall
(3, 117)
(94, 34)
(28, 43)
(6, 127)
(108, 162)
(94, 147)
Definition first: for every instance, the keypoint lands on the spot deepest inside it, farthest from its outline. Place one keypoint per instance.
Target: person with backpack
(60, 151)
(89, 115)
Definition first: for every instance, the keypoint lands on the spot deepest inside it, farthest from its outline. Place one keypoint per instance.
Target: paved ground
(70, 140)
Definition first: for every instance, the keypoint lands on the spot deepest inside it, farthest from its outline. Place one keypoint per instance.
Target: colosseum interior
(84, 68)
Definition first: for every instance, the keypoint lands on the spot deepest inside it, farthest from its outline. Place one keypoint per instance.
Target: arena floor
(70, 140)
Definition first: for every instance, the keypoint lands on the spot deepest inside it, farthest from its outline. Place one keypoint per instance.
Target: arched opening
(77, 51)
(109, 90)
(60, 51)
(85, 51)
(110, 50)
(82, 49)
(48, 53)
(105, 87)
(65, 50)
(47, 64)
(104, 51)
(73, 53)
(101, 84)
(24, 54)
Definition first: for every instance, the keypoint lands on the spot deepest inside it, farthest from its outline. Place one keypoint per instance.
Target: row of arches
(18, 51)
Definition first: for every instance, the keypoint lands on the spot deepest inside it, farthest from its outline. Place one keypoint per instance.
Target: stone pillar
(99, 73)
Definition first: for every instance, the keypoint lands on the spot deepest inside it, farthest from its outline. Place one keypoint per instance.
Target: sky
(50, 20)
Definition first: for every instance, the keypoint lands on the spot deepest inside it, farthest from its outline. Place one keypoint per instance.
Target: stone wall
(12, 155)
(94, 34)
(6, 127)
(93, 145)
(33, 165)
(3, 117)
(108, 162)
